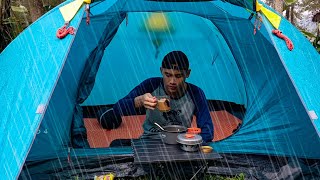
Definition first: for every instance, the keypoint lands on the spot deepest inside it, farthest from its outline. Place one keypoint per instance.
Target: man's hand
(146, 100)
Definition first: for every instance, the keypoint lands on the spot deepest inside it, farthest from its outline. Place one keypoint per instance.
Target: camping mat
(252, 166)
(131, 128)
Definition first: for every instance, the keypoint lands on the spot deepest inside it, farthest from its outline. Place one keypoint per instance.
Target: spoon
(159, 126)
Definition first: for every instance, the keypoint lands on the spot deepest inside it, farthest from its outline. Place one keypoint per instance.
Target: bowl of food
(171, 132)
(189, 142)
(206, 149)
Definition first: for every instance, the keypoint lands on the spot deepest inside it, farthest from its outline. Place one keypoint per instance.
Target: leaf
(20, 9)
(285, 7)
(309, 34)
(289, 2)
(10, 20)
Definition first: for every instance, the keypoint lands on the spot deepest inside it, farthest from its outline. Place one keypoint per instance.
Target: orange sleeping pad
(131, 128)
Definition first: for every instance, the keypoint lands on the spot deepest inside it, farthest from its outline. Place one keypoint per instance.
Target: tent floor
(225, 124)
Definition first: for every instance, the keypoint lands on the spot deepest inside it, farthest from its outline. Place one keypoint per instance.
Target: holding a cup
(163, 103)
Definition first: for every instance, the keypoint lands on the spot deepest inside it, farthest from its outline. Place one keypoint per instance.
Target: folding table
(169, 161)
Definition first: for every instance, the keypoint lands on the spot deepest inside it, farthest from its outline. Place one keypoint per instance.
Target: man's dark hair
(176, 60)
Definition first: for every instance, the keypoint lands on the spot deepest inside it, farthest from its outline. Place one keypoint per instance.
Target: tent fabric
(41, 79)
(248, 4)
(132, 44)
(267, 99)
(296, 65)
(77, 61)
(88, 78)
(30, 68)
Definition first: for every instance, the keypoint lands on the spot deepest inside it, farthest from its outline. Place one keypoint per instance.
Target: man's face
(174, 80)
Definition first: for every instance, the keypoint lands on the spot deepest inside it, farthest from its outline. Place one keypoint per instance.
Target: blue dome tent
(46, 80)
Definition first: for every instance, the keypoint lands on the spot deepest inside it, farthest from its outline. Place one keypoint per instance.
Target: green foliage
(310, 5)
(50, 4)
(308, 34)
(19, 9)
(289, 2)
(17, 20)
(315, 40)
(240, 176)
(316, 44)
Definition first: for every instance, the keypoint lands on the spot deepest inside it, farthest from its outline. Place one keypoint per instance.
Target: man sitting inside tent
(185, 100)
